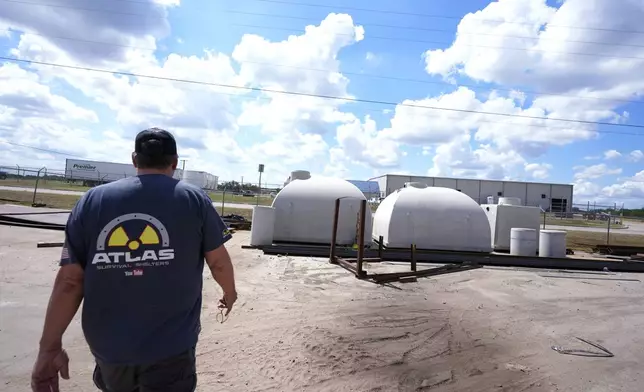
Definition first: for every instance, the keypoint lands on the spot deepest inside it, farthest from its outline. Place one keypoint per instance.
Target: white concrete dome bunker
(432, 218)
(304, 211)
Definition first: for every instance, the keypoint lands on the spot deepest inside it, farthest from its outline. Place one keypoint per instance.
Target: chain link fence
(604, 223)
(59, 188)
(38, 187)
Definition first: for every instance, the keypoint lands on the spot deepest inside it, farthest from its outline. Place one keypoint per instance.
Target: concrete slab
(41, 190)
(234, 205)
(632, 229)
(44, 215)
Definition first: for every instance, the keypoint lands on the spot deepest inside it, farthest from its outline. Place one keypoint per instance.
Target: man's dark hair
(154, 148)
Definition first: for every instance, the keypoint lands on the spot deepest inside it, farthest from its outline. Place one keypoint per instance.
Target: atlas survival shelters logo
(123, 241)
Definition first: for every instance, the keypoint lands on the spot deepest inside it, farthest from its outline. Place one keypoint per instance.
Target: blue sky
(394, 58)
(231, 147)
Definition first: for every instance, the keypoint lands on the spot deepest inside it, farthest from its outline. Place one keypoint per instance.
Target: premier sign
(84, 166)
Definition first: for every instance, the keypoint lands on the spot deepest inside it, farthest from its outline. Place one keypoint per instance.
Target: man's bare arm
(64, 302)
(221, 268)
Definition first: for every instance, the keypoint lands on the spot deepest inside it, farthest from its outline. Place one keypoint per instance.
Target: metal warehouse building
(550, 197)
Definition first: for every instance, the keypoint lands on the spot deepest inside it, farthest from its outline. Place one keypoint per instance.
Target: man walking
(134, 252)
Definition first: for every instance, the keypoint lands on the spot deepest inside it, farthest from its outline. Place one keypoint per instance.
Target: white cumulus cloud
(515, 47)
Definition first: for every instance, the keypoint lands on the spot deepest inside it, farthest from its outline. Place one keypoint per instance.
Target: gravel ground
(304, 325)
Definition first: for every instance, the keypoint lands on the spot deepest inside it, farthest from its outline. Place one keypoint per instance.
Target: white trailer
(213, 181)
(200, 179)
(178, 174)
(96, 172)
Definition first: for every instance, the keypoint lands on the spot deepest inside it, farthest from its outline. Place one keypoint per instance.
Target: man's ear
(134, 159)
(175, 163)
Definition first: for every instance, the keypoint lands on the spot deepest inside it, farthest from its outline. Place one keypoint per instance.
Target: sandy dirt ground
(304, 325)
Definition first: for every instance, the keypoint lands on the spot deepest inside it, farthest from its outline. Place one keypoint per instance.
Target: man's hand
(221, 267)
(44, 377)
(227, 302)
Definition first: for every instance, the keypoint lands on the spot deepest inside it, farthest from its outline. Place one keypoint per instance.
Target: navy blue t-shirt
(142, 241)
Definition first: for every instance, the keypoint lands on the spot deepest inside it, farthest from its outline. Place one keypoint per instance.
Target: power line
(434, 30)
(79, 8)
(472, 86)
(612, 44)
(464, 44)
(370, 36)
(452, 17)
(39, 149)
(311, 95)
(359, 74)
(380, 111)
(378, 11)
(80, 40)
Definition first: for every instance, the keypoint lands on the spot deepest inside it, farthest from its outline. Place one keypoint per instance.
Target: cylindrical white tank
(418, 185)
(300, 175)
(523, 242)
(490, 200)
(552, 243)
(261, 231)
(509, 201)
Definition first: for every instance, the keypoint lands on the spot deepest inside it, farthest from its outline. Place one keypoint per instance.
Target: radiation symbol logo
(120, 238)
(116, 245)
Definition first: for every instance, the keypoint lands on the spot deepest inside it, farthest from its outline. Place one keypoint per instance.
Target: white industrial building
(99, 172)
(550, 197)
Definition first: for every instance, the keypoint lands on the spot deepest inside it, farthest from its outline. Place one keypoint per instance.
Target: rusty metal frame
(356, 265)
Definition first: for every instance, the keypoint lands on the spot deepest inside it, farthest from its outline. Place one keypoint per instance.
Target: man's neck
(140, 172)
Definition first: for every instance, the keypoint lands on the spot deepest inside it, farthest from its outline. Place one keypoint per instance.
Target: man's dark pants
(176, 374)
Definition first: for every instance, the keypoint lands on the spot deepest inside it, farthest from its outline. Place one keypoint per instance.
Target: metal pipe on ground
(361, 225)
(49, 244)
(18, 222)
(442, 257)
(334, 233)
(35, 213)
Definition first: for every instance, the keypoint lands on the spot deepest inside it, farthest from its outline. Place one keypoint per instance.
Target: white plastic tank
(300, 175)
(490, 200)
(552, 243)
(418, 185)
(304, 212)
(261, 231)
(509, 201)
(432, 218)
(523, 242)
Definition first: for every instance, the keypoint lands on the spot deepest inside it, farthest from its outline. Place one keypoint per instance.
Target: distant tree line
(634, 212)
(639, 213)
(234, 186)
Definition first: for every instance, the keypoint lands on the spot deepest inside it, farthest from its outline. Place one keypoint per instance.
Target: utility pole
(183, 169)
(260, 169)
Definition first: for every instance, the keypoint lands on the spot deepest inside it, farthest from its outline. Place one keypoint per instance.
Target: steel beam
(446, 257)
